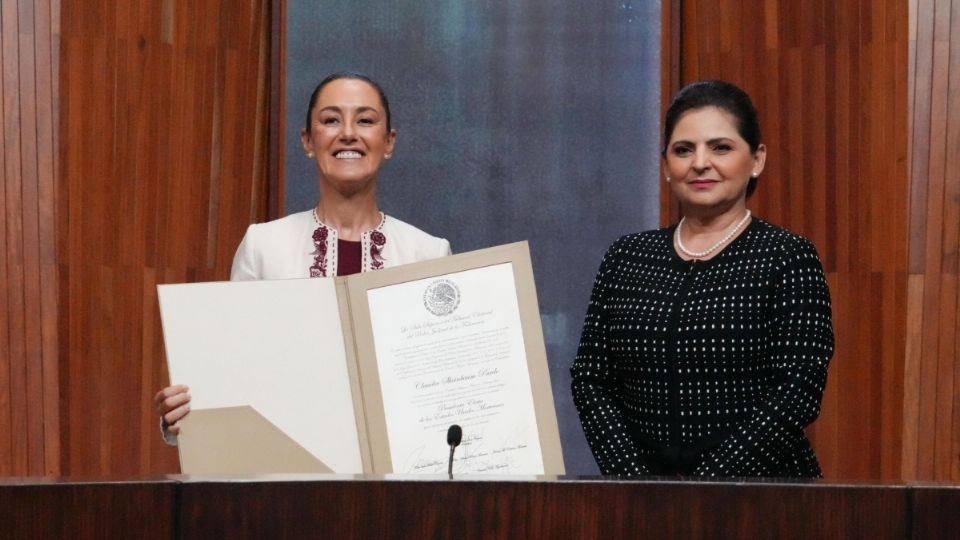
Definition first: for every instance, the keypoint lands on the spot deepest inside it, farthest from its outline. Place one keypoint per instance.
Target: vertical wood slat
(943, 455)
(951, 196)
(29, 158)
(276, 194)
(921, 79)
(176, 92)
(951, 238)
(14, 230)
(29, 387)
(911, 377)
(6, 404)
(47, 23)
(825, 81)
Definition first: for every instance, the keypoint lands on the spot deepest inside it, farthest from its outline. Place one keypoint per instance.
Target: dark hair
(347, 75)
(722, 95)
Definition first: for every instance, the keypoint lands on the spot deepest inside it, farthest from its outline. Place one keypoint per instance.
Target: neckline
(317, 222)
(677, 259)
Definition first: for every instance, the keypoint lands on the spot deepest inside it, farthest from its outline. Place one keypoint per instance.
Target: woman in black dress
(706, 344)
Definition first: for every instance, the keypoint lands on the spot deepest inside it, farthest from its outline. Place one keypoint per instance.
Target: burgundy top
(348, 257)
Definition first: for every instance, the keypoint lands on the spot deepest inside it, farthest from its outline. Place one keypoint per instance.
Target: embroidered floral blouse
(326, 252)
(301, 246)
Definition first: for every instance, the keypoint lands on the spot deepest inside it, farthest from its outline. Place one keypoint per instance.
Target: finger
(170, 391)
(173, 402)
(174, 416)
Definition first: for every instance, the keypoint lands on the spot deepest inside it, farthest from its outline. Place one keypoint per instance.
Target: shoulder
(406, 232)
(284, 226)
(412, 242)
(779, 239)
(655, 242)
(275, 249)
(647, 249)
(282, 234)
(788, 249)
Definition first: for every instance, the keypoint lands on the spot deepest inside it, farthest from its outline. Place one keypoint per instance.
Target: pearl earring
(756, 174)
(309, 154)
(669, 179)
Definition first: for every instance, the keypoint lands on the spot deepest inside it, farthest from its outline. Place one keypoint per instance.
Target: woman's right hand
(173, 403)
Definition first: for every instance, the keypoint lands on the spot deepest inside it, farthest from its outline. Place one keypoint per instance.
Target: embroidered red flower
(319, 267)
(377, 240)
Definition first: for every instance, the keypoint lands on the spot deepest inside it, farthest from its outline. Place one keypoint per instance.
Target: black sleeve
(596, 389)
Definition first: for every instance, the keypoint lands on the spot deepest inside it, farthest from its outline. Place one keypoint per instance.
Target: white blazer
(284, 248)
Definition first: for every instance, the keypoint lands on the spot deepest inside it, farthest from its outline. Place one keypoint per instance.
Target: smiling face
(348, 138)
(709, 164)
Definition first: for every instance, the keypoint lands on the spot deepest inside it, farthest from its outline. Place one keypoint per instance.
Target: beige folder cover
(245, 442)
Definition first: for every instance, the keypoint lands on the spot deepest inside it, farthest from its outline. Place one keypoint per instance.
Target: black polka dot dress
(705, 368)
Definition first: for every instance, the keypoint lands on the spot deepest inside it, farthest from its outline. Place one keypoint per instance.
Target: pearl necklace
(724, 240)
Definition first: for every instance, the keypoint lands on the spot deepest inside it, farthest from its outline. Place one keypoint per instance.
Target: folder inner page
(274, 345)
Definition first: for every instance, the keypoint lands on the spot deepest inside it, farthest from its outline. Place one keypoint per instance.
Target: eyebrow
(715, 140)
(361, 109)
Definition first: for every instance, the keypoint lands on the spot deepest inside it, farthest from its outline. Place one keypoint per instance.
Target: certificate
(457, 358)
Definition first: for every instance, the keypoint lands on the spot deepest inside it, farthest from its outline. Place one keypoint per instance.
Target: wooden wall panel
(932, 374)
(164, 128)
(830, 82)
(29, 387)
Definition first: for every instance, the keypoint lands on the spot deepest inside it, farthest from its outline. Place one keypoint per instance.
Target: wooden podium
(325, 506)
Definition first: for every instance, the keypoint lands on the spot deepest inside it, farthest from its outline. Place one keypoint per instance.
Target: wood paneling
(50, 508)
(329, 506)
(164, 128)
(830, 82)
(372, 508)
(932, 374)
(29, 388)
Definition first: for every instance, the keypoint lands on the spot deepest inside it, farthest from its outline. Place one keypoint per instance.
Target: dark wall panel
(523, 120)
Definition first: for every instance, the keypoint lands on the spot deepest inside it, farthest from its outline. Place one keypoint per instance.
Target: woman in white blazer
(348, 136)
